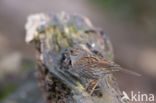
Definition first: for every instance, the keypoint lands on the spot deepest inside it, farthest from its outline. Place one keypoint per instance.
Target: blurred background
(130, 24)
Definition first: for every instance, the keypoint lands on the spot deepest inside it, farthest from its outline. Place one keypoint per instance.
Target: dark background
(130, 24)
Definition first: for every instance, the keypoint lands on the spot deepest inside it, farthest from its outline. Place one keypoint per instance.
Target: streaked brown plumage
(91, 66)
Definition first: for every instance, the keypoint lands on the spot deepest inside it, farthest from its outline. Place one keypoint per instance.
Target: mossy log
(52, 34)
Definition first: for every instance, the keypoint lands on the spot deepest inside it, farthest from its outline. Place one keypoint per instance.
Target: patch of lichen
(57, 39)
(80, 35)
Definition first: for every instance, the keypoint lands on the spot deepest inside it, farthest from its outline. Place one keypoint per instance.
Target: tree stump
(52, 34)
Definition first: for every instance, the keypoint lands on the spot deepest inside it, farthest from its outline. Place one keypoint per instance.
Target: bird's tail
(127, 71)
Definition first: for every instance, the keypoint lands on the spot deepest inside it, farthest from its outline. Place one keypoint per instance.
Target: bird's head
(76, 54)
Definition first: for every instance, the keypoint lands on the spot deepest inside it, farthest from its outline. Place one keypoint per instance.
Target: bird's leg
(91, 82)
(95, 86)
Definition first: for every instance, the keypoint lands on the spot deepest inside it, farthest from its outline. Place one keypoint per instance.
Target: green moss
(73, 29)
(57, 39)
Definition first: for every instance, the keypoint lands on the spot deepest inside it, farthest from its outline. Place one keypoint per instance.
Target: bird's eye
(71, 51)
(74, 53)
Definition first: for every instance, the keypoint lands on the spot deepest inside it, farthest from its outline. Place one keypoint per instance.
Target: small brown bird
(91, 66)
